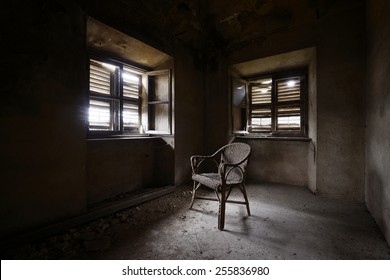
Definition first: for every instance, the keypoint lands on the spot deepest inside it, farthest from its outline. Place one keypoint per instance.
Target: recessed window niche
(305, 173)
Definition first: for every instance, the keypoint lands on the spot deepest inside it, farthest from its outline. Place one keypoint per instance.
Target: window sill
(274, 138)
(123, 137)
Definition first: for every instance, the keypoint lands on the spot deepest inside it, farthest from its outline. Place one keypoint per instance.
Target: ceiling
(209, 25)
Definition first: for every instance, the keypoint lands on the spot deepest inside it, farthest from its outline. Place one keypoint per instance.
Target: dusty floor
(286, 223)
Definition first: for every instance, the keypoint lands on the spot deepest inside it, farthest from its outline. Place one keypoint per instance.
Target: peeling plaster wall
(42, 142)
(107, 39)
(378, 114)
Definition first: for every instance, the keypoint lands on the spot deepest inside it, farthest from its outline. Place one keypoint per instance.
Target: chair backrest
(235, 153)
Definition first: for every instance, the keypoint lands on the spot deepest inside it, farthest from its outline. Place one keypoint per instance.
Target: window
(271, 105)
(120, 95)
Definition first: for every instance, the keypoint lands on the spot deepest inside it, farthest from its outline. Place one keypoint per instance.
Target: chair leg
(221, 213)
(194, 188)
(243, 190)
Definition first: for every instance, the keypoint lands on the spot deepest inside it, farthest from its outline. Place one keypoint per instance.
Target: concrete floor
(286, 223)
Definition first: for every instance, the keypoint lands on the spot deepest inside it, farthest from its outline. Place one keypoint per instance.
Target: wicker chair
(230, 162)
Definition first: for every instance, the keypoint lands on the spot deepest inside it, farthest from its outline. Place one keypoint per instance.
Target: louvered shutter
(131, 83)
(104, 103)
(131, 99)
(288, 104)
(260, 106)
(99, 79)
(99, 115)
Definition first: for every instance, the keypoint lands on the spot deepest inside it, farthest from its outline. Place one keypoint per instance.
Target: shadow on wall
(163, 164)
(277, 161)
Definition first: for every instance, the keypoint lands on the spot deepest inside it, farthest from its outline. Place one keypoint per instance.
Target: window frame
(118, 98)
(302, 73)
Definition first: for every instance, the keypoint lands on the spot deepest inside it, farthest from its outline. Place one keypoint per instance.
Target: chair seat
(213, 180)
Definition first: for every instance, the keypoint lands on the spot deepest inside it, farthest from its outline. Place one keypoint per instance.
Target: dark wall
(42, 138)
(341, 119)
(188, 108)
(119, 166)
(217, 125)
(378, 114)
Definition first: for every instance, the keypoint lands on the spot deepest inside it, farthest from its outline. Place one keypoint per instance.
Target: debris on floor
(87, 240)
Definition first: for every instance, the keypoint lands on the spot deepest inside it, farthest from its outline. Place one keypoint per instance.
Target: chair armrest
(196, 161)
